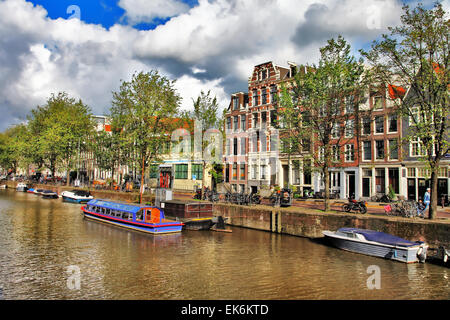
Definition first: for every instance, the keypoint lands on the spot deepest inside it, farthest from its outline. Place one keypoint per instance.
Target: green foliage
(57, 131)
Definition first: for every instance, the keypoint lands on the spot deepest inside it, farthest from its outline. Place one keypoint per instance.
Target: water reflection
(40, 239)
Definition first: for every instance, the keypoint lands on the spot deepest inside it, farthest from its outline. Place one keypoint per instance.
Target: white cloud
(213, 45)
(146, 11)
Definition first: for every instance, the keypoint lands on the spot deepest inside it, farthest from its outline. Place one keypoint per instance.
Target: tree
(12, 148)
(58, 129)
(320, 105)
(205, 116)
(415, 56)
(143, 108)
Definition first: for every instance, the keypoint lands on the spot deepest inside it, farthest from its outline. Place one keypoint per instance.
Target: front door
(366, 187)
(412, 189)
(350, 184)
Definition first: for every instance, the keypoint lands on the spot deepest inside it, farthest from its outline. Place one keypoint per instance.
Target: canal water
(49, 251)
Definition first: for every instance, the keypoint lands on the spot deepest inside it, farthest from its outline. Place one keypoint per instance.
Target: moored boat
(21, 187)
(77, 196)
(38, 191)
(194, 215)
(3, 186)
(131, 216)
(49, 194)
(30, 190)
(378, 244)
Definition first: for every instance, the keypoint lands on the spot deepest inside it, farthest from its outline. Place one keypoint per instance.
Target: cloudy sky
(87, 47)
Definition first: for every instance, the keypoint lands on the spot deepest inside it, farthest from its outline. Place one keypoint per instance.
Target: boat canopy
(381, 237)
(133, 208)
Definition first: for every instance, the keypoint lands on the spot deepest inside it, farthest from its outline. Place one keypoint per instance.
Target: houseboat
(131, 216)
(378, 244)
(77, 196)
(194, 215)
(38, 191)
(22, 187)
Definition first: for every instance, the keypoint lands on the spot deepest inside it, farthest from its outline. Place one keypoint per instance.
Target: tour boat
(131, 216)
(378, 244)
(49, 194)
(76, 196)
(21, 187)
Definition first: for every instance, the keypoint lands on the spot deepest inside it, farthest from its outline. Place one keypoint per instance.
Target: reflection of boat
(131, 216)
(76, 196)
(378, 244)
(49, 194)
(21, 187)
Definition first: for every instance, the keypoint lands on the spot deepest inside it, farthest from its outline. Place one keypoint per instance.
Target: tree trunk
(142, 179)
(434, 195)
(327, 190)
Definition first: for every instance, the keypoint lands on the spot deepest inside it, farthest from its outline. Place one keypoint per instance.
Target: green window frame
(197, 170)
(181, 171)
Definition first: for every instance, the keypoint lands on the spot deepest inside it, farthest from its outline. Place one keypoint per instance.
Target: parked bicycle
(381, 198)
(403, 208)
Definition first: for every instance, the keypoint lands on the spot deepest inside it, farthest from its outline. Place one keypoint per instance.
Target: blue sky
(205, 45)
(104, 12)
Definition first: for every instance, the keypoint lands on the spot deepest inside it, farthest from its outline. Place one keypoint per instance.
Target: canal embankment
(310, 223)
(300, 221)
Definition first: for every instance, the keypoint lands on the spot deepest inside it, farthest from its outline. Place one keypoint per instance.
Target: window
(263, 96)
(379, 149)
(263, 172)
(236, 123)
(349, 128)
(335, 131)
(392, 123)
(235, 171)
(264, 117)
(379, 124)
(235, 147)
(350, 104)
(254, 171)
(366, 125)
(411, 172)
(235, 103)
(181, 171)
(306, 145)
(416, 148)
(264, 74)
(367, 150)
(273, 117)
(227, 151)
(255, 97)
(197, 171)
(242, 172)
(321, 153)
(255, 120)
(377, 103)
(379, 181)
(273, 94)
(229, 123)
(393, 149)
(243, 120)
(243, 146)
(336, 155)
(349, 152)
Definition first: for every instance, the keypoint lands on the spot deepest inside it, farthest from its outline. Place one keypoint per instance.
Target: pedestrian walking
(426, 200)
